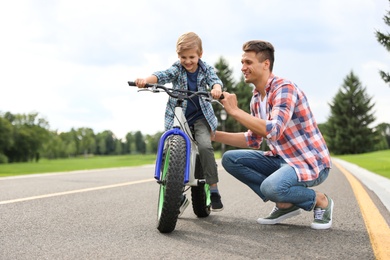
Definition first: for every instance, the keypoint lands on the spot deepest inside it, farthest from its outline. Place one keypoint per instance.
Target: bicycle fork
(189, 176)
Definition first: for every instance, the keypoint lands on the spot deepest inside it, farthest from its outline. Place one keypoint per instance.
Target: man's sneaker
(323, 217)
(184, 204)
(278, 215)
(216, 203)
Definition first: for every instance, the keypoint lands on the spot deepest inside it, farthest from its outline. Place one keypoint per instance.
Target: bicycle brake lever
(211, 100)
(153, 89)
(143, 89)
(218, 102)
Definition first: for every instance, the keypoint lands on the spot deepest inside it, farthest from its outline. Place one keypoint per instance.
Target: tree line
(28, 138)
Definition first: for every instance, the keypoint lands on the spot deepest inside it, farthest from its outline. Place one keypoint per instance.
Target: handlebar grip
(221, 97)
(147, 85)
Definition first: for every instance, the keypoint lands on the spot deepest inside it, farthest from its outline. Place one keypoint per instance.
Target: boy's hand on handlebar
(140, 83)
(216, 92)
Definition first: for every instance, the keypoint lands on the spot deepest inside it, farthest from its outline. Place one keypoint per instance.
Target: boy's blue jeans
(271, 178)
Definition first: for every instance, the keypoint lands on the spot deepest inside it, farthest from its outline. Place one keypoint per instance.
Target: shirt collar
(269, 82)
(201, 65)
(267, 86)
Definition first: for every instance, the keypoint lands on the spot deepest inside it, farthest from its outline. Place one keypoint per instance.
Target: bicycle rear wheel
(200, 194)
(171, 184)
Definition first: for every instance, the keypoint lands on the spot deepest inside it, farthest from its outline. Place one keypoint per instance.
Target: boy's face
(189, 59)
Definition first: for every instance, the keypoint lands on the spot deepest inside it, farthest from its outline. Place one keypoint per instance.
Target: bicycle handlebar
(170, 91)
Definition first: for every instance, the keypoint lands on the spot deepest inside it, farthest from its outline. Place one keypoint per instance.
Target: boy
(191, 73)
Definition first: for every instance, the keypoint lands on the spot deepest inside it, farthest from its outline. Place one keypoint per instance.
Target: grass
(72, 164)
(377, 162)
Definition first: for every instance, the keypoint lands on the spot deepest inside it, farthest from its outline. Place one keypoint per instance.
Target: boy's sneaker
(278, 215)
(323, 217)
(216, 203)
(183, 205)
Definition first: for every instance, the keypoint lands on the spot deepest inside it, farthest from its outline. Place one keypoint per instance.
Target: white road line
(74, 191)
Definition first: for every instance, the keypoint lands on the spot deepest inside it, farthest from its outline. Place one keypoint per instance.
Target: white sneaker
(323, 217)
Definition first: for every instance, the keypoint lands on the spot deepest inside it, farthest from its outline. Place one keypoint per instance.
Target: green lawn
(72, 164)
(378, 162)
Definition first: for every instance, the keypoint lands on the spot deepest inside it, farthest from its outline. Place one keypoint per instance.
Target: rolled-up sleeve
(168, 75)
(283, 102)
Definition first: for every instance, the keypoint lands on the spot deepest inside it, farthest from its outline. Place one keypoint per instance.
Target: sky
(69, 61)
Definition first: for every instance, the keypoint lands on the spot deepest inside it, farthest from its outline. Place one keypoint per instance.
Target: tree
(70, 143)
(100, 144)
(140, 145)
(348, 128)
(383, 130)
(129, 144)
(54, 147)
(118, 147)
(29, 133)
(106, 143)
(243, 92)
(5, 138)
(152, 142)
(87, 140)
(225, 75)
(384, 39)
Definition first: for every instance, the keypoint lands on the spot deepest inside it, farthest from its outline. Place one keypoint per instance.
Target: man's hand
(230, 103)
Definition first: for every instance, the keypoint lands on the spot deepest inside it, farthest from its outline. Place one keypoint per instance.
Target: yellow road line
(74, 191)
(378, 230)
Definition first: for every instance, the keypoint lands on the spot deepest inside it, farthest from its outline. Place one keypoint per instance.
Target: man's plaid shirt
(292, 131)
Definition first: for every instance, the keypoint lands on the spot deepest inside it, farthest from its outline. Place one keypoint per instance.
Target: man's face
(189, 59)
(252, 68)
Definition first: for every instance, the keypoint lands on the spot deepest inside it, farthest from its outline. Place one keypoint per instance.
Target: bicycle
(178, 166)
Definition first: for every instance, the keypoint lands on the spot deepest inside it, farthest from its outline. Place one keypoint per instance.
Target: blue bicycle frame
(175, 131)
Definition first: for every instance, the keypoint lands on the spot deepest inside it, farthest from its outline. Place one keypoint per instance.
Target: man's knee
(227, 159)
(270, 190)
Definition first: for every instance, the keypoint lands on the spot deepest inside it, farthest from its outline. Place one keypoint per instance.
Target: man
(298, 156)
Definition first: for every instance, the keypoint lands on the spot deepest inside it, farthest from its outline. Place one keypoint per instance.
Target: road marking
(74, 191)
(378, 230)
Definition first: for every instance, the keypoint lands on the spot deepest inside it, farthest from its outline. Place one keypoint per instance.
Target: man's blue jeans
(271, 178)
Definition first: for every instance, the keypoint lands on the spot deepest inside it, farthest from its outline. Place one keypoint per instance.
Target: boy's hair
(264, 50)
(189, 41)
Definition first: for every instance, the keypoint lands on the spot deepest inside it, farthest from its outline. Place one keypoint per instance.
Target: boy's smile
(189, 59)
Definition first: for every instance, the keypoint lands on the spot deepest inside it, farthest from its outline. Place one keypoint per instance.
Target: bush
(3, 159)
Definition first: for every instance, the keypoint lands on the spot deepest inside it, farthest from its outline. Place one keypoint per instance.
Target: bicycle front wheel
(200, 194)
(171, 184)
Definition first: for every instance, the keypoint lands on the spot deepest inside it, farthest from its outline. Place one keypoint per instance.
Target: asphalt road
(111, 214)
